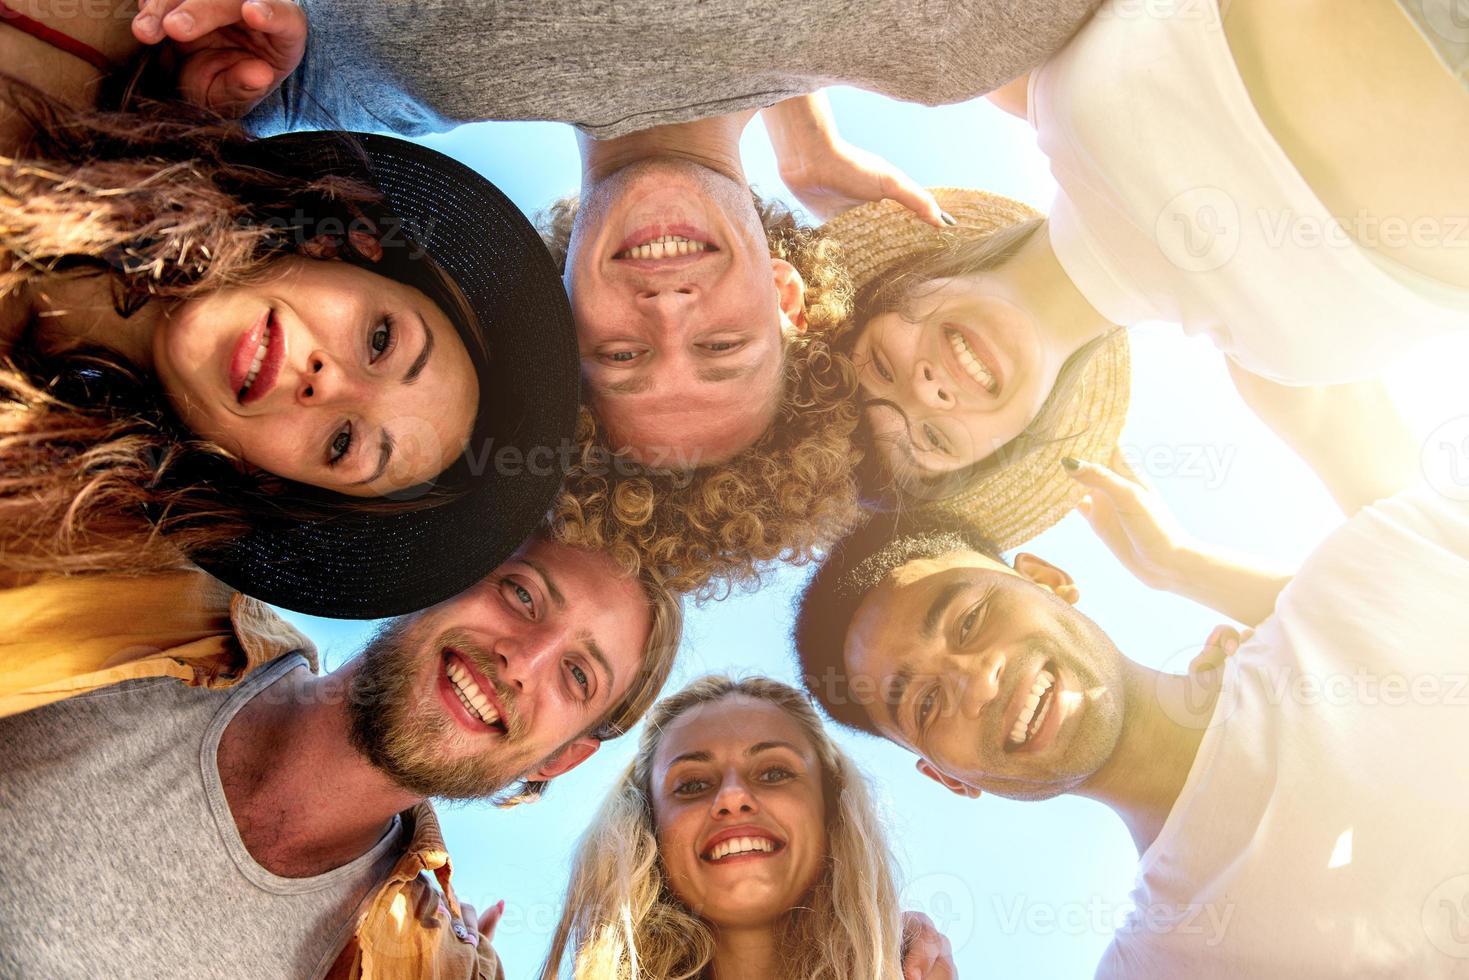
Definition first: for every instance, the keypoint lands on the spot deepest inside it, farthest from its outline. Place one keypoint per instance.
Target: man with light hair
(265, 820)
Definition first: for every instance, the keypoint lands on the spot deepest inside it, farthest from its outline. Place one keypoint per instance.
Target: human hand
(927, 954)
(232, 53)
(839, 176)
(1219, 647)
(481, 927)
(1133, 522)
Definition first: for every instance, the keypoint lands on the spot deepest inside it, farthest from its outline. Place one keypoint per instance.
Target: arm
(829, 175)
(1133, 522)
(1351, 435)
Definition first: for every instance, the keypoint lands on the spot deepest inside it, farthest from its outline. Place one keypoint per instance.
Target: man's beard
(408, 735)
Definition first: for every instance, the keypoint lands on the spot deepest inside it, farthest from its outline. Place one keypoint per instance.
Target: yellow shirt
(63, 636)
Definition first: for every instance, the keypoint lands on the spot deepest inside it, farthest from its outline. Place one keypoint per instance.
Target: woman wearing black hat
(277, 353)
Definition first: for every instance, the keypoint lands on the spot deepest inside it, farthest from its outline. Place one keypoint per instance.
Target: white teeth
(1022, 726)
(741, 845)
(470, 695)
(666, 247)
(972, 365)
(259, 359)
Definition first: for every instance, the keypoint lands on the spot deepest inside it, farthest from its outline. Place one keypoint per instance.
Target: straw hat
(1031, 493)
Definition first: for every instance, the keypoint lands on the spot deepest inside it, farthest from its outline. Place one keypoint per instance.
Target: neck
(1164, 720)
(1054, 298)
(743, 954)
(302, 796)
(712, 143)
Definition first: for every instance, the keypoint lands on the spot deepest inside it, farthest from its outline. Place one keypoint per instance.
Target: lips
(1033, 713)
(972, 361)
(743, 842)
(256, 361)
(660, 248)
(470, 696)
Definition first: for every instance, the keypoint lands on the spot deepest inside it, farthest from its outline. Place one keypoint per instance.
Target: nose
(528, 655)
(324, 382)
(981, 679)
(666, 304)
(928, 390)
(734, 798)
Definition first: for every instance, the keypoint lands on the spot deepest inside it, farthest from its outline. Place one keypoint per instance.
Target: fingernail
(1231, 645)
(500, 905)
(265, 9)
(1071, 463)
(147, 23)
(948, 218)
(182, 20)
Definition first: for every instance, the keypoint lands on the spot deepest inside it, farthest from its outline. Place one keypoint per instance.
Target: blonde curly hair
(710, 529)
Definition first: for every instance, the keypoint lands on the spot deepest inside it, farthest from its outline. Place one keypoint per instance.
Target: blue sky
(1020, 888)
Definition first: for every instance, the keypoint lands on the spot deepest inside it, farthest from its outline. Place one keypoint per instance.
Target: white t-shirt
(1176, 203)
(1323, 830)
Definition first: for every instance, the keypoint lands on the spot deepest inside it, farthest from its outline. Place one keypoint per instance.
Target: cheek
(675, 833)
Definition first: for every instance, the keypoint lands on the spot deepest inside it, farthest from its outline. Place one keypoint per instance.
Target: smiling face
(739, 811)
(960, 372)
(323, 373)
(503, 679)
(680, 312)
(989, 674)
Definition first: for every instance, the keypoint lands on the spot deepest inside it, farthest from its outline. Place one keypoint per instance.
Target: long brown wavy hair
(161, 203)
(621, 921)
(785, 497)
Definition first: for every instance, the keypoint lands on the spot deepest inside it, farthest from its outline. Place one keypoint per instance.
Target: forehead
(892, 616)
(728, 728)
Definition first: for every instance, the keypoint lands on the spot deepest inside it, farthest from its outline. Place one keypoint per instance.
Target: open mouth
(666, 247)
(746, 844)
(970, 362)
(477, 702)
(1039, 702)
(257, 358)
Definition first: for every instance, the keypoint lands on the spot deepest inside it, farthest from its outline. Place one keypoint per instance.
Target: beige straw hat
(1017, 502)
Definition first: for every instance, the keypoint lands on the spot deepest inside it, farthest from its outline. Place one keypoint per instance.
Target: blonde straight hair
(622, 922)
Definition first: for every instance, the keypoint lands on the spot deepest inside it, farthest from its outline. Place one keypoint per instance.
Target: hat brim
(1030, 493)
(365, 565)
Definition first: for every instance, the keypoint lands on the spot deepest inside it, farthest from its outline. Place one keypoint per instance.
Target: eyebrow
(384, 453)
(555, 593)
(939, 606)
(704, 756)
(416, 368)
(897, 690)
(632, 386)
(726, 373)
(596, 654)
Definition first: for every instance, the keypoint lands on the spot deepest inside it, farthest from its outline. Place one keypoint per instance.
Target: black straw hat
(366, 564)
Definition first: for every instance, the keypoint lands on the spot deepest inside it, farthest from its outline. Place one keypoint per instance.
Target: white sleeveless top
(1177, 204)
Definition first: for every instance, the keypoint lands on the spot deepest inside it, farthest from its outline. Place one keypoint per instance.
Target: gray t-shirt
(617, 66)
(120, 856)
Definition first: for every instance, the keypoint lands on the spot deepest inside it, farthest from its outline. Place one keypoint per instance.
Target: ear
(956, 786)
(1047, 576)
(790, 291)
(570, 756)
